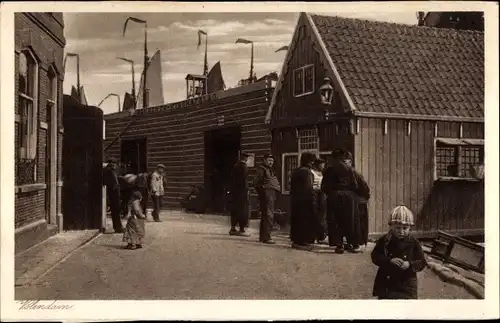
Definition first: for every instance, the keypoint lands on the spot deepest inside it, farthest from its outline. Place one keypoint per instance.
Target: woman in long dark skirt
(135, 230)
(302, 195)
(363, 192)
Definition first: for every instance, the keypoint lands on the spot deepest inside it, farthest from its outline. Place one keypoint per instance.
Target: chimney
(421, 18)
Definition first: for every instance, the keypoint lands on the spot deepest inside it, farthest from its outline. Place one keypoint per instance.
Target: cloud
(174, 77)
(97, 43)
(276, 21)
(223, 28)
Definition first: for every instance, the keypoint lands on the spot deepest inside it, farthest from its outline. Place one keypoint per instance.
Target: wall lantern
(326, 92)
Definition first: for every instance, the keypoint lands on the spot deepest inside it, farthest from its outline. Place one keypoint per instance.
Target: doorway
(134, 155)
(222, 148)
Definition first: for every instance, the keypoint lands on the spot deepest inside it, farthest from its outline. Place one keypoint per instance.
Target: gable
(307, 53)
(392, 69)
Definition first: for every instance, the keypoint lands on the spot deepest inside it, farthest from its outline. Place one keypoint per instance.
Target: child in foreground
(135, 229)
(399, 257)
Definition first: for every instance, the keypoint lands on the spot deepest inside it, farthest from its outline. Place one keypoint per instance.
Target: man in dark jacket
(267, 186)
(302, 196)
(339, 185)
(110, 179)
(239, 197)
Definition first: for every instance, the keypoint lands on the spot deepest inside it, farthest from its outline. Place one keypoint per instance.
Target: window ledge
(455, 179)
(30, 187)
(44, 125)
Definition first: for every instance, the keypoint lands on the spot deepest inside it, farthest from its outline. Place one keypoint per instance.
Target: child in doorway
(135, 230)
(399, 257)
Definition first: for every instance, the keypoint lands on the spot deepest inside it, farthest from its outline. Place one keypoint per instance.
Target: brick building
(39, 52)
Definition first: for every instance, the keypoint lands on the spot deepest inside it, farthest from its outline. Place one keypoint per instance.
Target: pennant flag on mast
(133, 19)
(200, 32)
(282, 48)
(243, 41)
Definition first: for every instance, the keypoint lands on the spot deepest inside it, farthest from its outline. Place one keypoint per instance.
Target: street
(190, 257)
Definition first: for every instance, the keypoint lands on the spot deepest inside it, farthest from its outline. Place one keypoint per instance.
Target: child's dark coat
(391, 281)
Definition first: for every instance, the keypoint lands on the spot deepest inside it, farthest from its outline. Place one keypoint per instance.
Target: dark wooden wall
(176, 137)
(82, 166)
(400, 170)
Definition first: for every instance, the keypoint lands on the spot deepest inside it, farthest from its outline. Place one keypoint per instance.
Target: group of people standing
(128, 198)
(329, 202)
(332, 203)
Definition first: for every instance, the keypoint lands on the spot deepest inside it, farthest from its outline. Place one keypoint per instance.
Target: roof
(181, 105)
(401, 69)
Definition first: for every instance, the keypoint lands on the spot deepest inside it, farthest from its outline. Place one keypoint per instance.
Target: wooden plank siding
(175, 137)
(399, 168)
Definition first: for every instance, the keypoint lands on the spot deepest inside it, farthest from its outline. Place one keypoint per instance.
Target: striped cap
(401, 215)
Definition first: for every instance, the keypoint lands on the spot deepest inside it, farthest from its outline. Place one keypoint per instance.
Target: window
(308, 140)
(27, 108)
(303, 80)
(459, 158)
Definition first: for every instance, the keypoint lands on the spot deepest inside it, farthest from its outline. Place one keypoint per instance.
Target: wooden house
(198, 140)
(407, 101)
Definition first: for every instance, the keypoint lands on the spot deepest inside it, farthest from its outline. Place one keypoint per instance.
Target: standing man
(157, 191)
(239, 197)
(267, 185)
(302, 196)
(339, 184)
(110, 179)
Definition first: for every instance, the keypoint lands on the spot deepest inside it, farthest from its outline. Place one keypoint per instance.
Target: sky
(98, 39)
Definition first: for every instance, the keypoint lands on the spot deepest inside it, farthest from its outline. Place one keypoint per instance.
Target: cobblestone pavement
(190, 257)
